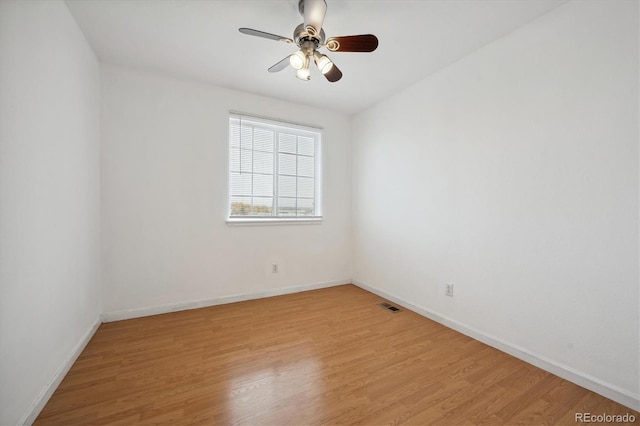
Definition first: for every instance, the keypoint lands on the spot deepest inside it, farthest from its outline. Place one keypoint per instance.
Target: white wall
(513, 174)
(49, 200)
(164, 199)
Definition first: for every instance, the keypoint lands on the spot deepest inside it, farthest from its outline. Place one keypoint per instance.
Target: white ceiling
(199, 39)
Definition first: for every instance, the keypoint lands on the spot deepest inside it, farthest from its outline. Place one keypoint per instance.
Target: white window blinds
(273, 169)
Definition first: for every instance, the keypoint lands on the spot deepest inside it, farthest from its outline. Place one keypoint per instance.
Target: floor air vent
(390, 307)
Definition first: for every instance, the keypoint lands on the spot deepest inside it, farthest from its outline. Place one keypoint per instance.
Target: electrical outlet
(274, 268)
(449, 291)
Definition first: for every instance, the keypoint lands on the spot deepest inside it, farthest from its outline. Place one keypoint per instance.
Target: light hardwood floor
(330, 356)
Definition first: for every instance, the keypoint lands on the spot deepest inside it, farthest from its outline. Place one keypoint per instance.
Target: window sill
(234, 221)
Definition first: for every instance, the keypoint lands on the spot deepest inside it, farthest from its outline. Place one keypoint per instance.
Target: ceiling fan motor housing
(301, 37)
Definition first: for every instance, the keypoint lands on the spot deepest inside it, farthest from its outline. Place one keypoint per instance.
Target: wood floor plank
(329, 356)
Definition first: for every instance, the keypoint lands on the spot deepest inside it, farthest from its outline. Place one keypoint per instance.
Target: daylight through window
(273, 169)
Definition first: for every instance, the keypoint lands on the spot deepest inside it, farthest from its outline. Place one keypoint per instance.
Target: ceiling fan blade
(354, 43)
(313, 12)
(252, 32)
(334, 74)
(280, 65)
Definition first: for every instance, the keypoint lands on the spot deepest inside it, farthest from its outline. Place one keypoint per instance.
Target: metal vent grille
(390, 307)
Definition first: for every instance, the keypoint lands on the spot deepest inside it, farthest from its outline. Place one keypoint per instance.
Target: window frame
(276, 125)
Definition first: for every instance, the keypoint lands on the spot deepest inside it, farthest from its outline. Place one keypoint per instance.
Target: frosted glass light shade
(297, 60)
(303, 74)
(323, 62)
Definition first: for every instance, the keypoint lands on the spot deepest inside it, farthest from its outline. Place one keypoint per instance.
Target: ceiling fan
(309, 37)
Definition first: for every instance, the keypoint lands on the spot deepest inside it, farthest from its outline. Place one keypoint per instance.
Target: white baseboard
(56, 379)
(591, 383)
(183, 306)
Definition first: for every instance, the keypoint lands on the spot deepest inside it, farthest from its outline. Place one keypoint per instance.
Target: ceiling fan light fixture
(323, 62)
(303, 74)
(297, 60)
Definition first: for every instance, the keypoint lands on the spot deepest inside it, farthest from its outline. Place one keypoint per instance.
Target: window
(273, 170)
